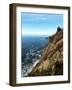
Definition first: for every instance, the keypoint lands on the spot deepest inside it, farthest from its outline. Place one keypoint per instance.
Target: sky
(46, 24)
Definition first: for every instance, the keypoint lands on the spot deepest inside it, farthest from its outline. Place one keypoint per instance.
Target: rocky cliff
(51, 62)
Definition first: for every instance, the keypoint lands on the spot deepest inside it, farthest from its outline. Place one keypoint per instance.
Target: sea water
(31, 52)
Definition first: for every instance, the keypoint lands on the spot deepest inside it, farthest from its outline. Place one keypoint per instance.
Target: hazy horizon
(35, 35)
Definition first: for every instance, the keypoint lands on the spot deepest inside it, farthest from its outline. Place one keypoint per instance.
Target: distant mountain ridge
(51, 62)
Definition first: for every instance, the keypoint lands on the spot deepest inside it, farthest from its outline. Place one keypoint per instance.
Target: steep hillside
(51, 62)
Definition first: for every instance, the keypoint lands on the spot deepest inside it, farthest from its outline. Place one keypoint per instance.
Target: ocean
(31, 51)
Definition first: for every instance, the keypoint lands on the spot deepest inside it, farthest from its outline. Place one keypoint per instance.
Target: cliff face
(51, 62)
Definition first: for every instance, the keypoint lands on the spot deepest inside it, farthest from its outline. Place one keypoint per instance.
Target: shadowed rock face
(51, 62)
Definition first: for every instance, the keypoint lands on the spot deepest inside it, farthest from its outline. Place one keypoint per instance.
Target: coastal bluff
(51, 62)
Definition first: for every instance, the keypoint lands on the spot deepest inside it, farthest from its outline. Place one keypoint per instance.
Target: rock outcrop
(51, 62)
